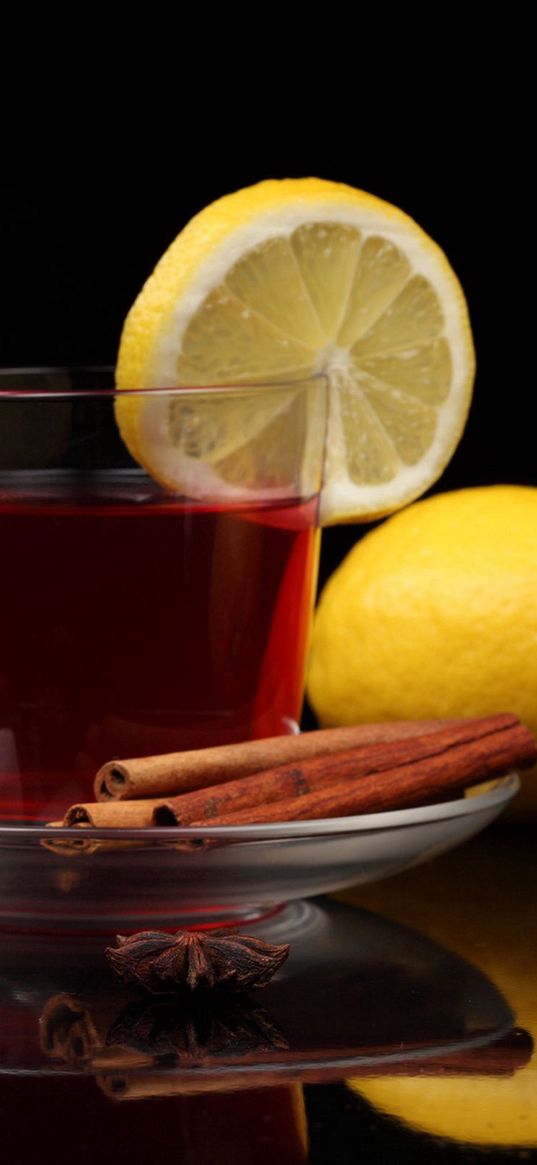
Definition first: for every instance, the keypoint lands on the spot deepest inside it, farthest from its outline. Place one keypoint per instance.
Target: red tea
(132, 624)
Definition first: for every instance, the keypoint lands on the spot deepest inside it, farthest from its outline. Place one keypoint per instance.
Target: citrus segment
(327, 255)
(381, 272)
(425, 372)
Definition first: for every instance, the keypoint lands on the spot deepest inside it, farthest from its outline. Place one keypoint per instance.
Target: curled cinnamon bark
(288, 782)
(112, 815)
(181, 772)
(420, 782)
(373, 777)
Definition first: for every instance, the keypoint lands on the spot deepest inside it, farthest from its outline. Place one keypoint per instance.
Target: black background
(102, 166)
(97, 181)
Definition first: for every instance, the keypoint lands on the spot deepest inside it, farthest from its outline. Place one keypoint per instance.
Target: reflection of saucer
(356, 991)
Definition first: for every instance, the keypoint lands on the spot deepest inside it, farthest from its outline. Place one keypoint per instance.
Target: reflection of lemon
(287, 279)
(434, 613)
(489, 919)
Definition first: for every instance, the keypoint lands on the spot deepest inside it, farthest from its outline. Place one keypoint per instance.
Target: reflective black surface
(400, 1029)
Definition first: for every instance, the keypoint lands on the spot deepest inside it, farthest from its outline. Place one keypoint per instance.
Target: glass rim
(503, 790)
(51, 393)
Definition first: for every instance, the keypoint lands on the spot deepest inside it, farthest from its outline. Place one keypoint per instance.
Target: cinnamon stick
(181, 772)
(112, 814)
(404, 786)
(287, 781)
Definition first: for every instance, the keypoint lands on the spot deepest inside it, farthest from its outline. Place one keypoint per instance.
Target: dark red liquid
(69, 1120)
(132, 624)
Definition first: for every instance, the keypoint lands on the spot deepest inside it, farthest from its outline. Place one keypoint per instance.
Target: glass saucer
(126, 880)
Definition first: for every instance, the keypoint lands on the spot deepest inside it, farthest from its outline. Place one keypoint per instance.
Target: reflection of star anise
(162, 963)
(174, 1033)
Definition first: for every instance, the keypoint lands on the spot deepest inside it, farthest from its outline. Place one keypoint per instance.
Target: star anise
(192, 961)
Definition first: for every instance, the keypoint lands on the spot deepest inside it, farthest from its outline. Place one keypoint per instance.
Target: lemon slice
(284, 281)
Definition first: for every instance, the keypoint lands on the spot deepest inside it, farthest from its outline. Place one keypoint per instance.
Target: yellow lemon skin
(434, 613)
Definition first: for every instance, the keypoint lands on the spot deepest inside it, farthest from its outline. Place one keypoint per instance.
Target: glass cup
(138, 617)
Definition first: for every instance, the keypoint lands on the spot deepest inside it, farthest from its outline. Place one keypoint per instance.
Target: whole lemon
(434, 613)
